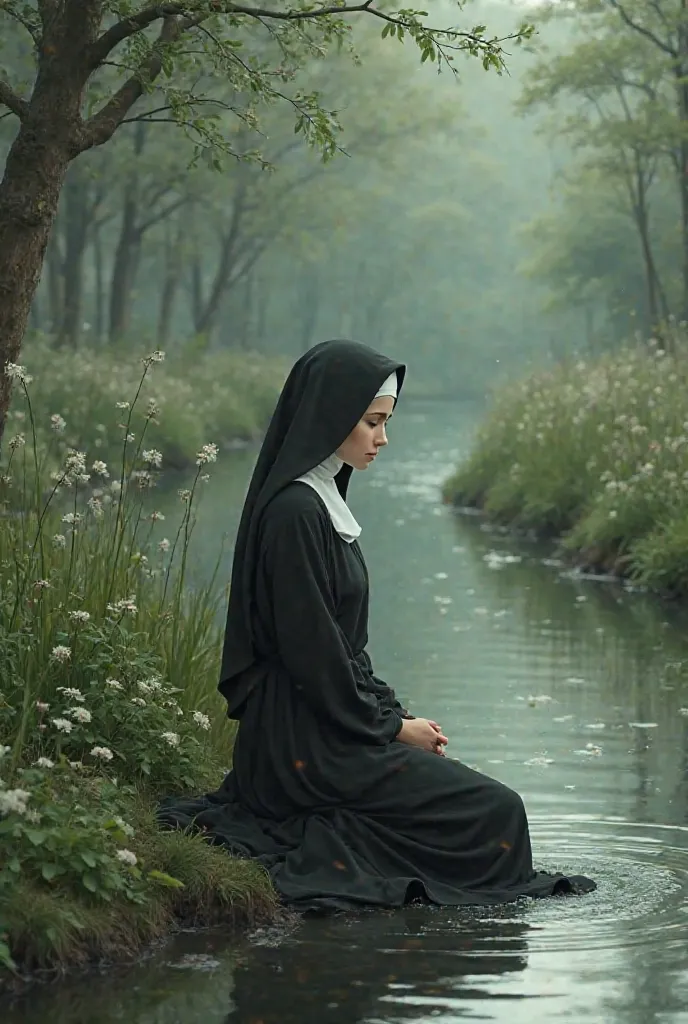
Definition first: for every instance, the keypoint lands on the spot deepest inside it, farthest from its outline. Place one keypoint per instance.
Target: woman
(335, 788)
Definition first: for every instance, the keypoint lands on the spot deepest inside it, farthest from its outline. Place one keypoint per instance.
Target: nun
(344, 797)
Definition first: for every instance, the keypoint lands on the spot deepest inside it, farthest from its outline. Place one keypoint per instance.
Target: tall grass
(108, 671)
(595, 453)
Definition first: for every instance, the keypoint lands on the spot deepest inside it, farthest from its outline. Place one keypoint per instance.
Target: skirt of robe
(339, 825)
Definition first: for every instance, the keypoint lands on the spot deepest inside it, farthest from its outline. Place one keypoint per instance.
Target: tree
(94, 60)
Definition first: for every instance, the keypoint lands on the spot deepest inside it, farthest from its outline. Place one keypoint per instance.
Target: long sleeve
(386, 696)
(310, 643)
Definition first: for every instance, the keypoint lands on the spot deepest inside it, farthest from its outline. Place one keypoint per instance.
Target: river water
(569, 690)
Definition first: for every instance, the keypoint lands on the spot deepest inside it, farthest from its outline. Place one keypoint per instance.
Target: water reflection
(568, 690)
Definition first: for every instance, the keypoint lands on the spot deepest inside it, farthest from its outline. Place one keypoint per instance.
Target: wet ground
(567, 689)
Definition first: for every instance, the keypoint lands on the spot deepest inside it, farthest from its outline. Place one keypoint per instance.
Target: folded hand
(419, 732)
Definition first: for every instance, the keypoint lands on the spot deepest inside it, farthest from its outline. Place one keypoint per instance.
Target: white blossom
(72, 518)
(100, 468)
(41, 707)
(72, 692)
(201, 719)
(104, 753)
(154, 357)
(63, 724)
(61, 653)
(184, 495)
(18, 441)
(16, 372)
(126, 605)
(123, 826)
(96, 506)
(13, 800)
(127, 857)
(44, 762)
(80, 616)
(114, 684)
(82, 715)
(164, 545)
(4, 749)
(156, 517)
(152, 457)
(172, 738)
(208, 453)
(138, 701)
(122, 405)
(42, 584)
(57, 423)
(59, 540)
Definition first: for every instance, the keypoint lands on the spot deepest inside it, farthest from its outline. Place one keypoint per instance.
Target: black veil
(326, 393)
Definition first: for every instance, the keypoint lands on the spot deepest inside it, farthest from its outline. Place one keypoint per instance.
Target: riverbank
(108, 700)
(594, 455)
(196, 394)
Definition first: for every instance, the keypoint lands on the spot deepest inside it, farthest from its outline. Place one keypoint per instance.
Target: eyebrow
(379, 412)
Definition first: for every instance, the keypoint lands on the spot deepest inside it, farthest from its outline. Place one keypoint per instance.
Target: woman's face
(368, 436)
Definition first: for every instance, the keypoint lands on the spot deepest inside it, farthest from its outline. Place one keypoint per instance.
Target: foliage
(228, 394)
(596, 451)
(108, 669)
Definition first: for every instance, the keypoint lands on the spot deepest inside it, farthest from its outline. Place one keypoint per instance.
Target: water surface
(568, 690)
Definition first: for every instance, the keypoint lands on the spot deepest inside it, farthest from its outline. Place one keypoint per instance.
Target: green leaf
(88, 859)
(165, 879)
(50, 871)
(35, 836)
(89, 881)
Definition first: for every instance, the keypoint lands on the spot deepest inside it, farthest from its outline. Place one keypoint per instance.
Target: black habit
(321, 792)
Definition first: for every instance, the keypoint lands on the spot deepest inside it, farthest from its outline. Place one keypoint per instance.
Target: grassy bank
(595, 454)
(227, 395)
(108, 670)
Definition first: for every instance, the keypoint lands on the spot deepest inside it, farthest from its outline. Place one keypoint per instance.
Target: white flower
(42, 584)
(80, 616)
(130, 438)
(154, 357)
(156, 517)
(18, 441)
(33, 817)
(82, 715)
(44, 762)
(127, 857)
(139, 701)
(57, 423)
(41, 707)
(122, 405)
(61, 653)
(73, 692)
(152, 409)
(16, 372)
(75, 462)
(208, 453)
(104, 753)
(96, 506)
(13, 800)
(152, 457)
(100, 468)
(4, 749)
(126, 605)
(59, 540)
(172, 738)
(184, 495)
(114, 684)
(164, 545)
(63, 724)
(72, 518)
(123, 826)
(201, 719)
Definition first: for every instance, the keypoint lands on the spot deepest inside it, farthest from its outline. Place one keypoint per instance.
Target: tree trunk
(54, 282)
(126, 255)
(173, 269)
(29, 194)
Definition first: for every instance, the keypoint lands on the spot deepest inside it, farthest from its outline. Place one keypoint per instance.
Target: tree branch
(13, 102)
(641, 29)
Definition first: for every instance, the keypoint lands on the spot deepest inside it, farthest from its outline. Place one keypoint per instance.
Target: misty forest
(192, 196)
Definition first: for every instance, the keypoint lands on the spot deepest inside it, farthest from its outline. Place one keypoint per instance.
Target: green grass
(108, 701)
(596, 454)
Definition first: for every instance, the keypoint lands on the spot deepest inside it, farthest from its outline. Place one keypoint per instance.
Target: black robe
(321, 792)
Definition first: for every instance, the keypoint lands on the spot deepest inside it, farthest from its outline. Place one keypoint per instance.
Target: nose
(382, 439)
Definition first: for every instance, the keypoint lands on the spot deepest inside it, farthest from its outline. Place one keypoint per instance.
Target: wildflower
(76, 764)
(127, 857)
(184, 495)
(123, 826)
(201, 719)
(152, 457)
(100, 468)
(96, 506)
(139, 701)
(156, 517)
(59, 540)
(72, 518)
(75, 463)
(82, 715)
(4, 750)
(18, 441)
(41, 707)
(61, 653)
(208, 453)
(33, 817)
(42, 584)
(16, 372)
(164, 545)
(154, 357)
(63, 725)
(44, 762)
(129, 438)
(72, 692)
(204, 478)
(152, 409)
(143, 479)
(116, 486)
(172, 738)
(57, 423)
(13, 800)
(80, 616)
(126, 605)
(114, 684)
(104, 753)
